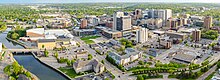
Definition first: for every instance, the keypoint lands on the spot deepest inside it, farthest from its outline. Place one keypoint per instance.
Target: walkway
(206, 74)
(20, 50)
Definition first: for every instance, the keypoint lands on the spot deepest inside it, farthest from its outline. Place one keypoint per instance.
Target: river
(30, 63)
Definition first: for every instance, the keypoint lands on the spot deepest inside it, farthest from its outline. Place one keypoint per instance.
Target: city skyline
(94, 1)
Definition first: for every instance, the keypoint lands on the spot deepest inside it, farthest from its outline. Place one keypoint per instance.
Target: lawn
(87, 39)
(69, 71)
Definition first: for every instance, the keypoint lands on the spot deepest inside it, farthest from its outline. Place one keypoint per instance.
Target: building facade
(196, 35)
(84, 24)
(207, 22)
(142, 35)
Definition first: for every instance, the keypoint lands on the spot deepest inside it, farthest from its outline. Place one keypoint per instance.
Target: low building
(84, 32)
(183, 58)
(111, 33)
(153, 52)
(182, 36)
(129, 56)
(81, 66)
(167, 44)
(37, 32)
(46, 43)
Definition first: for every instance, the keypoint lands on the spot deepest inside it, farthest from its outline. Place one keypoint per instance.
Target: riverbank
(50, 66)
(17, 42)
(8, 59)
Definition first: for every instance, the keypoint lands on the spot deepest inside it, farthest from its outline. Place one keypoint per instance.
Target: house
(46, 43)
(129, 56)
(81, 66)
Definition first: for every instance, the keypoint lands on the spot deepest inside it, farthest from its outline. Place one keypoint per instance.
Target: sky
(88, 1)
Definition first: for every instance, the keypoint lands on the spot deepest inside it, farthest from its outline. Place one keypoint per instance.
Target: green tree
(89, 56)
(14, 36)
(46, 53)
(139, 77)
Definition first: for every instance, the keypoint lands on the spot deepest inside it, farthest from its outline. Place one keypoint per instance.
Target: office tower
(138, 13)
(196, 35)
(207, 22)
(142, 35)
(162, 14)
(123, 23)
(83, 24)
(115, 16)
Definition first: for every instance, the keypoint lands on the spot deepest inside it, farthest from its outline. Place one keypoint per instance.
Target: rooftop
(46, 40)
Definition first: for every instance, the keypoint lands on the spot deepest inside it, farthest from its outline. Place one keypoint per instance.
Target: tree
(139, 77)
(218, 64)
(46, 53)
(14, 36)
(89, 56)
(56, 54)
(103, 62)
(69, 63)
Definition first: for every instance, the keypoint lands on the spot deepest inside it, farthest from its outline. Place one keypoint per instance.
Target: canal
(30, 63)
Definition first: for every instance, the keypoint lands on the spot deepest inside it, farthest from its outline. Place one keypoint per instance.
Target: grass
(87, 39)
(210, 76)
(69, 71)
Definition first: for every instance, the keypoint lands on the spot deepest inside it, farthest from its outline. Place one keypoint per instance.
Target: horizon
(102, 1)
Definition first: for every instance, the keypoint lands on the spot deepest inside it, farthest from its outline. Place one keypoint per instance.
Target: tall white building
(163, 14)
(142, 35)
(116, 15)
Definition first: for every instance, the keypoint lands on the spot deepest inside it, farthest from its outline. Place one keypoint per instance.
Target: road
(113, 69)
(206, 74)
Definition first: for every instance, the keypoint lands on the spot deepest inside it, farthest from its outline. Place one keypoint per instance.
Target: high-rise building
(207, 22)
(116, 15)
(138, 13)
(123, 23)
(142, 35)
(83, 24)
(196, 35)
(162, 14)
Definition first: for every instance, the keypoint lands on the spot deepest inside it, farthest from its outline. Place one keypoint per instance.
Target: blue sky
(86, 1)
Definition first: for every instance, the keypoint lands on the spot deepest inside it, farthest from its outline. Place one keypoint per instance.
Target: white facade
(162, 14)
(115, 16)
(142, 35)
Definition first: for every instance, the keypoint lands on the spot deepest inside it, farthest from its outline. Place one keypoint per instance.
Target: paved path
(206, 74)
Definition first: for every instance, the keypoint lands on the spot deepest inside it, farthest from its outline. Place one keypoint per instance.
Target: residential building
(83, 24)
(207, 22)
(196, 35)
(81, 66)
(46, 43)
(142, 35)
(129, 56)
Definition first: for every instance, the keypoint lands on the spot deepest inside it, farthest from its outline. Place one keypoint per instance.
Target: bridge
(21, 50)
